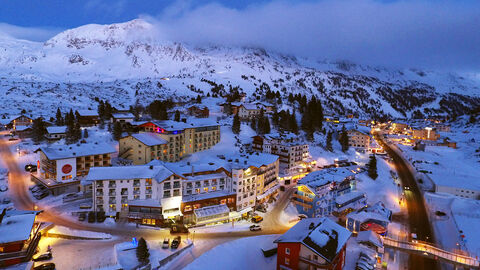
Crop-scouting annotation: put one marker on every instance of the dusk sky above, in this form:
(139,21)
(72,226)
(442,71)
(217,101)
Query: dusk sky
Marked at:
(432,34)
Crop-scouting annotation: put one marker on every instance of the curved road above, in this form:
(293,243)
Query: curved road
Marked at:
(22,200)
(417,214)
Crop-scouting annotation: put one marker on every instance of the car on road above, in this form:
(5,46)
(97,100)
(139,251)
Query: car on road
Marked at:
(176,242)
(82,216)
(406,187)
(257,219)
(166,243)
(254,228)
(45,266)
(30,168)
(43,257)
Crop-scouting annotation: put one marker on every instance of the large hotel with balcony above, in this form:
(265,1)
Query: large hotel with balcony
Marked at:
(217,190)
(169,140)
(60,168)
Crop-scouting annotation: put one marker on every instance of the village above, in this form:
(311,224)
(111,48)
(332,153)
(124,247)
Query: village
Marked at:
(326,185)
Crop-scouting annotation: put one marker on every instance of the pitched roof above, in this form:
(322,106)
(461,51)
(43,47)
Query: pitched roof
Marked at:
(56,129)
(87,113)
(149,138)
(321,235)
(123,115)
(16,226)
(325,176)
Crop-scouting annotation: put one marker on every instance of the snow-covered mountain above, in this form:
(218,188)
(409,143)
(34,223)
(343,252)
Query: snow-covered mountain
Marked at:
(128,63)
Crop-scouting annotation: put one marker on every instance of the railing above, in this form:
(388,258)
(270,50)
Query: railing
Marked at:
(304,198)
(429,250)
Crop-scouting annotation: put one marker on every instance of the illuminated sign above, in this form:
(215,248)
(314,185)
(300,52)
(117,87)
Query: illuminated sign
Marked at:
(67,168)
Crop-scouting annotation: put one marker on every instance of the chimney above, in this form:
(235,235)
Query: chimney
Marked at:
(3,214)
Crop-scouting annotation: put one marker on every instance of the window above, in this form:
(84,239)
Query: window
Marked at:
(205,189)
(287,251)
(287,261)
(315,257)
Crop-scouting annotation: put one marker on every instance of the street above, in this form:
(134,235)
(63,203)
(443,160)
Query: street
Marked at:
(417,214)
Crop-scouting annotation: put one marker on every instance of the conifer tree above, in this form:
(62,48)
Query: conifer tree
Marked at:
(38,130)
(236,124)
(372,167)
(177,116)
(143,254)
(328,145)
(85,133)
(343,139)
(117,131)
(59,118)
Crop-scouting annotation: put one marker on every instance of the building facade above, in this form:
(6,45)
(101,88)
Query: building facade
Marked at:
(60,168)
(358,139)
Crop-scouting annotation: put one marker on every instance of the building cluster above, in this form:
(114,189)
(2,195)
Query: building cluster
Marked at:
(20,125)
(247,111)
(329,191)
(225,189)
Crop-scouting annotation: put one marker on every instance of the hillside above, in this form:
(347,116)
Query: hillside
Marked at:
(126,63)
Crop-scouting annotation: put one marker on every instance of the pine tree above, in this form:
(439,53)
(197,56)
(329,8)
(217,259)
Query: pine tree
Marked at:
(372,167)
(85,133)
(77,132)
(101,109)
(266,128)
(328,145)
(142,251)
(236,124)
(292,122)
(177,116)
(59,119)
(472,119)
(38,130)
(108,110)
(343,139)
(117,131)
(199,99)
(253,123)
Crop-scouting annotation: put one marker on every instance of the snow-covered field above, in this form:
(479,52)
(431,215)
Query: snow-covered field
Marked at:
(87,234)
(241,254)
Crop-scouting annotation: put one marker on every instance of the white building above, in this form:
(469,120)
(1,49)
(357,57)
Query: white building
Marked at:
(56,133)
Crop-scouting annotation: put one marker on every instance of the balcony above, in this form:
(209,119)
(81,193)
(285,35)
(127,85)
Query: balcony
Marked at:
(176,185)
(148,191)
(99,200)
(304,205)
(112,201)
(111,193)
(136,183)
(112,185)
(303,198)
(99,193)
(167,186)
(136,192)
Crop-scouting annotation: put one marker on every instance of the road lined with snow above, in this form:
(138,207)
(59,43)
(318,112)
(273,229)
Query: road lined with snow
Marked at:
(417,214)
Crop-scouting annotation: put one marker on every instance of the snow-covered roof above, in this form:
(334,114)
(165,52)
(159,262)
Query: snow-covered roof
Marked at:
(325,176)
(208,195)
(349,196)
(147,202)
(159,173)
(206,176)
(321,235)
(171,125)
(371,237)
(16,226)
(377,211)
(87,113)
(250,107)
(211,210)
(123,115)
(22,128)
(77,150)
(56,129)
(149,138)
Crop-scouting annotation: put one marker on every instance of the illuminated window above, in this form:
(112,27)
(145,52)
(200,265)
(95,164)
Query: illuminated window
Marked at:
(214,188)
(287,261)
(187,208)
(287,251)
(205,189)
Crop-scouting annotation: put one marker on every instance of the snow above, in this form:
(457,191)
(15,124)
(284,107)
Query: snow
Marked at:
(54,152)
(56,129)
(211,210)
(320,178)
(233,255)
(349,196)
(160,173)
(71,232)
(16,226)
(149,139)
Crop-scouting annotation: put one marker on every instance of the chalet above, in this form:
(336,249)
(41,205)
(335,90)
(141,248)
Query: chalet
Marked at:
(313,243)
(56,133)
(21,120)
(199,111)
(123,118)
(19,236)
(88,118)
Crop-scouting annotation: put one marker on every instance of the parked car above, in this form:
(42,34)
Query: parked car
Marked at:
(176,242)
(255,228)
(37,188)
(166,243)
(43,257)
(41,195)
(82,216)
(45,266)
(257,219)
(30,168)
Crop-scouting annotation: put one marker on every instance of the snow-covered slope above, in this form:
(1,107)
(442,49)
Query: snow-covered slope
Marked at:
(127,63)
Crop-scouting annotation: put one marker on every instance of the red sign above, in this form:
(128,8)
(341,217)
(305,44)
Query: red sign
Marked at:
(67,168)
